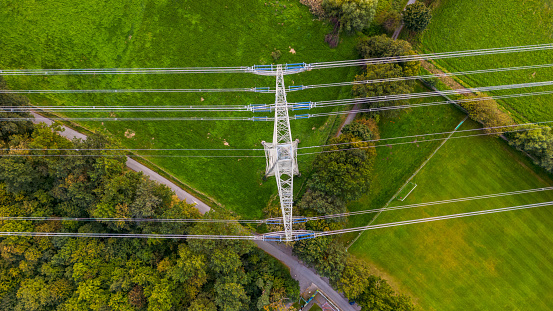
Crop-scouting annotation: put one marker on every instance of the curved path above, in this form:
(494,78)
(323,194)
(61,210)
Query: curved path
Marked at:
(135,166)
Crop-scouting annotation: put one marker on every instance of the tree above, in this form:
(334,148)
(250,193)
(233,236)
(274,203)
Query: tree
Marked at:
(486,112)
(416,16)
(321,203)
(344,171)
(353,280)
(383,46)
(358,129)
(230,296)
(353,15)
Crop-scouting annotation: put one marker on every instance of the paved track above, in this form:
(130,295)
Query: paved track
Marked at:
(303,274)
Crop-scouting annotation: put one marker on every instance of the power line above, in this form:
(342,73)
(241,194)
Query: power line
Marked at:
(431,219)
(155,220)
(308,147)
(430,76)
(131,235)
(465,199)
(415,57)
(439,133)
(271,69)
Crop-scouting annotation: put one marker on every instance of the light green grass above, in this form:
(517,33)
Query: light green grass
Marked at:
(477,24)
(179,33)
(493,262)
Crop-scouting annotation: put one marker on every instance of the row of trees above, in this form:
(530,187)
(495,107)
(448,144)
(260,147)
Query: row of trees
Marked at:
(65,273)
(356,15)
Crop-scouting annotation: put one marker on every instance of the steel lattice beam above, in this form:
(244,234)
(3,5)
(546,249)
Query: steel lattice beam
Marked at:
(281,155)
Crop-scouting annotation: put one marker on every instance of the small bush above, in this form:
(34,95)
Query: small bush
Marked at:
(276,54)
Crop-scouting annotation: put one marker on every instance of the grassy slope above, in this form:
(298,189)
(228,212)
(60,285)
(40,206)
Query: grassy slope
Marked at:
(494,262)
(475,24)
(69,34)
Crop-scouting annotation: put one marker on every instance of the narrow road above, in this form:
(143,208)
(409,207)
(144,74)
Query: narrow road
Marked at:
(304,275)
(135,166)
(400,27)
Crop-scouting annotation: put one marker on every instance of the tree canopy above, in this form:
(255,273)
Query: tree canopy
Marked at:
(417,16)
(353,15)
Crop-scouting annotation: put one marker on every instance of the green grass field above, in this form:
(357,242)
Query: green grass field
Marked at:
(493,262)
(177,33)
(477,24)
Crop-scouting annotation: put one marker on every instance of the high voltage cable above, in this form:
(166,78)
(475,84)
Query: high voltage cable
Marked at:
(407,58)
(466,199)
(252,237)
(252,108)
(299,154)
(274,220)
(158,220)
(439,133)
(431,219)
(126,91)
(270,70)
(321,104)
(291,89)
(130,235)
(430,76)
(330,103)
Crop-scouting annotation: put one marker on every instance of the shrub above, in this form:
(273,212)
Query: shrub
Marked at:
(487,112)
(276,54)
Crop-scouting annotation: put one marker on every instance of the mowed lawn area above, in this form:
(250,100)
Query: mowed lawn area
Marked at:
(179,33)
(500,261)
(478,24)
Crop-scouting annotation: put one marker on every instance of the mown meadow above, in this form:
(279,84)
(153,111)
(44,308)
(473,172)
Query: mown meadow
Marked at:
(465,25)
(129,34)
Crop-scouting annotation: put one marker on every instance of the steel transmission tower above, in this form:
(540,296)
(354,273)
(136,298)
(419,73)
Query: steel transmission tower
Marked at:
(281,155)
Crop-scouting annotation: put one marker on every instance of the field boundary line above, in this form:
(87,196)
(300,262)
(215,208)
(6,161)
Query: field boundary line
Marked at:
(409,180)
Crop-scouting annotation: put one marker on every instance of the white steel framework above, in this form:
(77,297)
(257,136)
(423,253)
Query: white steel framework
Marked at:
(281,155)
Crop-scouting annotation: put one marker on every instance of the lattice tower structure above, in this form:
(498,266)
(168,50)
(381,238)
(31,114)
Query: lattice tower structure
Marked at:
(281,155)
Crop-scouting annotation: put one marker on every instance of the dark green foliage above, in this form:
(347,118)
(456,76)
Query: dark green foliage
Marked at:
(9,128)
(383,46)
(325,254)
(119,274)
(538,142)
(359,130)
(345,171)
(321,203)
(383,71)
(353,15)
(416,16)
(488,113)
(370,291)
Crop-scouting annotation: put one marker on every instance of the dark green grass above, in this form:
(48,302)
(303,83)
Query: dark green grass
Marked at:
(493,262)
(477,24)
(95,34)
